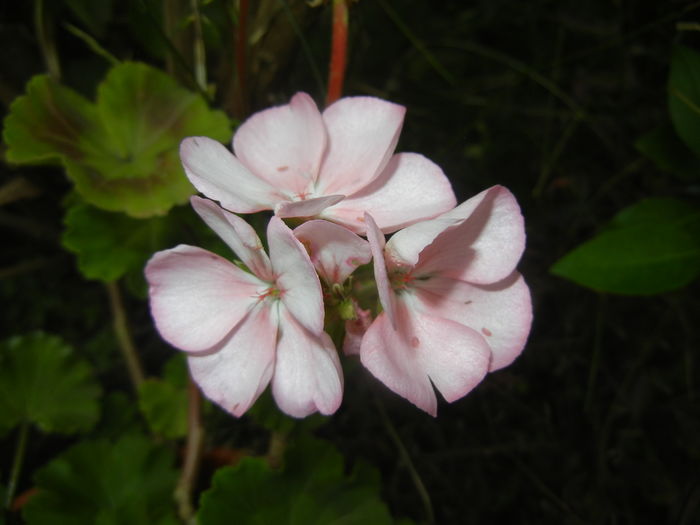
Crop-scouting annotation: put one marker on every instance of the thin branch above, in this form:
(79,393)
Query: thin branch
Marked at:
(121,329)
(339,51)
(408,462)
(193,454)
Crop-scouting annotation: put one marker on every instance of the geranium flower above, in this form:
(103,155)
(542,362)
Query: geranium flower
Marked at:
(333,165)
(454,306)
(244,330)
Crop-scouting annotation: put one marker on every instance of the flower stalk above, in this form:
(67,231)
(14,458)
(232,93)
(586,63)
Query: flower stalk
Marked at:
(339,51)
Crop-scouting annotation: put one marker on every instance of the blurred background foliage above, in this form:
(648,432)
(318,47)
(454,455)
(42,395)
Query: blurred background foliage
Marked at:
(588,111)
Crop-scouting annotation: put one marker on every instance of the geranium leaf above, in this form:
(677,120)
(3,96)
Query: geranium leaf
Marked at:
(311,490)
(103,482)
(650,247)
(122,151)
(669,153)
(109,245)
(42,381)
(163,402)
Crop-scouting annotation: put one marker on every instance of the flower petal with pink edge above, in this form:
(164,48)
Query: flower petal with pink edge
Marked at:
(362,135)
(215,172)
(424,348)
(307,207)
(501,312)
(283,145)
(237,233)
(335,251)
(411,188)
(296,278)
(197,297)
(381,277)
(308,377)
(234,374)
(480,241)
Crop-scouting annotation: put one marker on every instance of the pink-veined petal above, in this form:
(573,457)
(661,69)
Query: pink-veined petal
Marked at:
(381,277)
(362,135)
(335,251)
(425,348)
(283,144)
(481,240)
(501,312)
(355,329)
(485,247)
(296,278)
(308,376)
(235,374)
(237,233)
(215,172)
(198,297)
(307,207)
(411,188)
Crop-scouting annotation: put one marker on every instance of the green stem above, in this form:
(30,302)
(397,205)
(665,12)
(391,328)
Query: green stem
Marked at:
(193,454)
(121,329)
(17,463)
(44,33)
(200,62)
(408,462)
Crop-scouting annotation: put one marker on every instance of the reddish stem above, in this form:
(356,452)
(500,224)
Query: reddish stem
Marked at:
(339,51)
(239,99)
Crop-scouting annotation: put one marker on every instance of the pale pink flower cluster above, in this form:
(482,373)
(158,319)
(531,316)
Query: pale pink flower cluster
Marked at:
(453,306)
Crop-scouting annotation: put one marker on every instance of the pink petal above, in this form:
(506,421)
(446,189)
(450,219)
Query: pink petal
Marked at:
(501,312)
(235,374)
(410,189)
(306,208)
(237,233)
(214,171)
(198,297)
(283,145)
(335,251)
(297,280)
(479,241)
(386,294)
(308,376)
(362,135)
(355,329)
(422,349)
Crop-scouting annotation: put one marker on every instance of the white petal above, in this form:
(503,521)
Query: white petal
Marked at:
(307,207)
(296,278)
(237,233)
(335,251)
(362,135)
(284,144)
(235,374)
(410,189)
(501,312)
(198,297)
(214,171)
(381,277)
(308,376)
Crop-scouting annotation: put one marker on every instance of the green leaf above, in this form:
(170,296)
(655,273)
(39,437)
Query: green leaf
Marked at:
(669,153)
(43,382)
(103,482)
(163,402)
(650,247)
(109,245)
(684,95)
(122,151)
(311,490)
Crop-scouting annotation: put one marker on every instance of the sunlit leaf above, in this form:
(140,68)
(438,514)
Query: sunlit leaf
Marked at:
(311,490)
(103,482)
(650,247)
(684,95)
(163,402)
(122,151)
(109,244)
(43,382)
